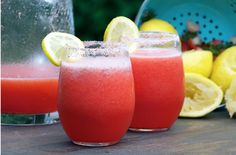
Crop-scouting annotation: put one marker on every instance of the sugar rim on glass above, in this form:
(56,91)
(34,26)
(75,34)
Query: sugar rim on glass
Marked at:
(100,48)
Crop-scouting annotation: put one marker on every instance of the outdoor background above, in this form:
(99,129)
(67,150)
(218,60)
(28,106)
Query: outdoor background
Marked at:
(92,16)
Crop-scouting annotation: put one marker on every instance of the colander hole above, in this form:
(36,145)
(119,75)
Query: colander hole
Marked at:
(210,32)
(234,11)
(197,14)
(174,18)
(197,22)
(181,15)
(204,26)
(220,33)
(216,27)
(232,5)
(204,17)
(205,38)
(213,39)
(181,24)
(200,32)
(184,31)
(189,13)
(211,21)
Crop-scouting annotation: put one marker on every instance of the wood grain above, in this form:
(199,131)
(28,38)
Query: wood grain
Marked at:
(214,134)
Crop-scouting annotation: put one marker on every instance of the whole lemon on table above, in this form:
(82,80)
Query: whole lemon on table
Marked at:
(157,25)
(224,68)
(199,62)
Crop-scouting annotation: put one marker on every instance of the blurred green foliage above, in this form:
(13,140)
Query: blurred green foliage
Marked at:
(92,16)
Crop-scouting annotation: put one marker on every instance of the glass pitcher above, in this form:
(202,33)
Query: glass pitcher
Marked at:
(28,79)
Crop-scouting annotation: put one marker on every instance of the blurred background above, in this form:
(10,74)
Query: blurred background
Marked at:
(90,25)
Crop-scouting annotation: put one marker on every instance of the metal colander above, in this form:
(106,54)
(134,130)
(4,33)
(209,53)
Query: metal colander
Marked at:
(216,18)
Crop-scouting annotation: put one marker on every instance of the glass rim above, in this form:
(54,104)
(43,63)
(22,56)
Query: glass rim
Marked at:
(108,47)
(99,48)
(105,43)
(153,37)
(160,35)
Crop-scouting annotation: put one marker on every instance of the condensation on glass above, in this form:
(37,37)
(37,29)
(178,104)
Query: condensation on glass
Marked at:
(24,24)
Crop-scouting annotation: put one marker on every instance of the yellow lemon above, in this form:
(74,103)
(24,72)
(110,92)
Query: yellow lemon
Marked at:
(59,46)
(230,98)
(224,68)
(157,25)
(200,62)
(119,28)
(202,96)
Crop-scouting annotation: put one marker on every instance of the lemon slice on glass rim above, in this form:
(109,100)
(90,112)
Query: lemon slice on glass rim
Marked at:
(202,96)
(59,46)
(119,28)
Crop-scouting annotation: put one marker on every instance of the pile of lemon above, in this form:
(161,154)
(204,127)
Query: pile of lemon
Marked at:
(207,82)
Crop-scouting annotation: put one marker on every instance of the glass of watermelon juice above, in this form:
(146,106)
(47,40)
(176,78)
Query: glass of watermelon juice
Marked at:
(159,81)
(96,95)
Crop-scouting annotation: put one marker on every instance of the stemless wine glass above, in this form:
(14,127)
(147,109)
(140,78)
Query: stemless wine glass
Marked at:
(96,95)
(159,81)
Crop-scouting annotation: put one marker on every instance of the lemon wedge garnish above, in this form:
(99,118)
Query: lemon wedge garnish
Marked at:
(59,46)
(120,28)
(198,62)
(202,96)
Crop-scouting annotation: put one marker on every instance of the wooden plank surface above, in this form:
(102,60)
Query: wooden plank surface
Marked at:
(214,134)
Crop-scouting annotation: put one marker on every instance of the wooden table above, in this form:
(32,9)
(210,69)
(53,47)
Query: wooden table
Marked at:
(214,134)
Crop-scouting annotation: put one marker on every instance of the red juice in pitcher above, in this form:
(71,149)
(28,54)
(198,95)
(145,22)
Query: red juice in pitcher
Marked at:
(28,90)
